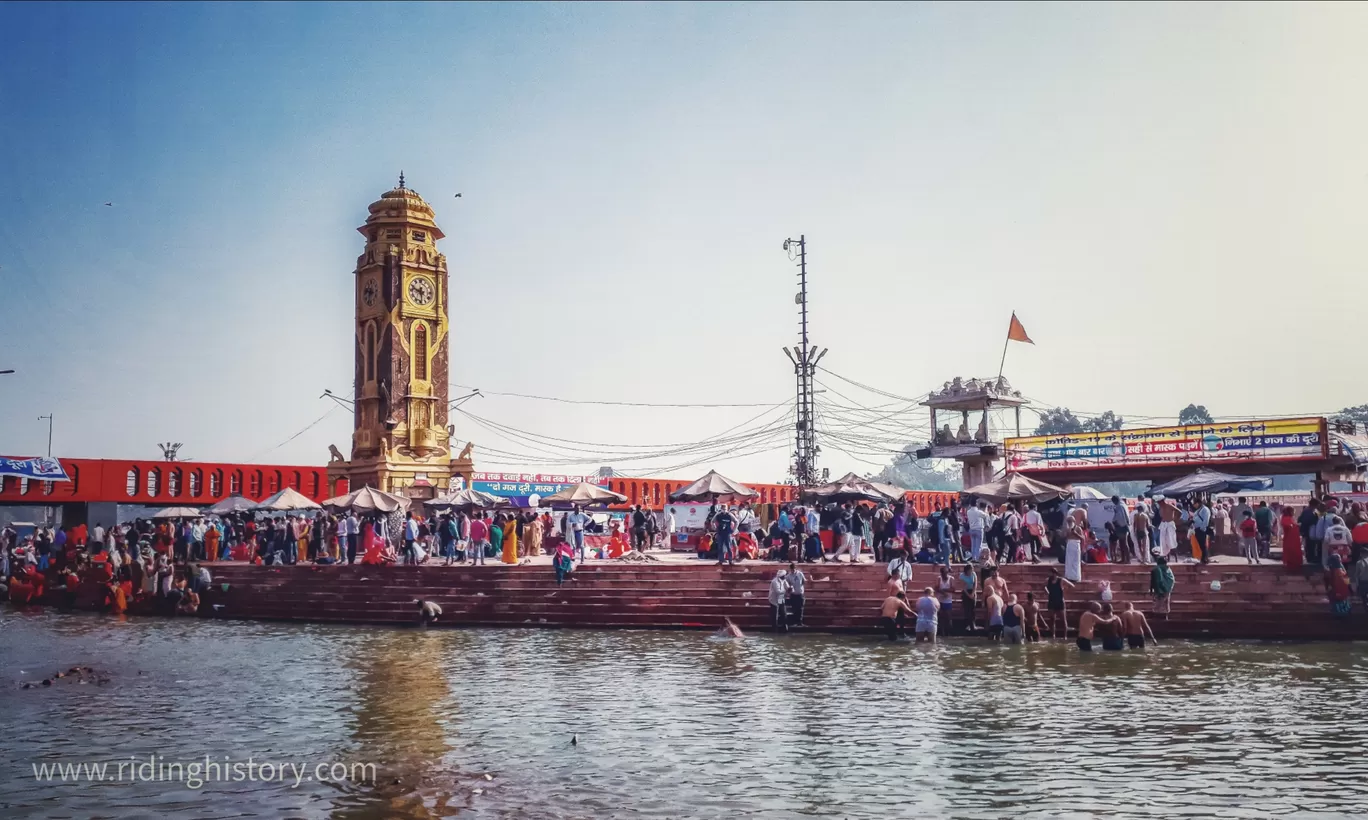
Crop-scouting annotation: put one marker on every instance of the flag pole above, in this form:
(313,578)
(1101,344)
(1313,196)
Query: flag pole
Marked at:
(1005,342)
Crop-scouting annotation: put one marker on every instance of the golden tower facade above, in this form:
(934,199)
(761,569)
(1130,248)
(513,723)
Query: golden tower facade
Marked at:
(400,439)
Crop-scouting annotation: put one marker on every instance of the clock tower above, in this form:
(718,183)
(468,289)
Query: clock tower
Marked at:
(400,442)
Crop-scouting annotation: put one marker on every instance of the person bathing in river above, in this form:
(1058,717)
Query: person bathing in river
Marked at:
(1054,603)
(778,602)
(1087,626)
(994,583)
(945,591)
(969,595)
(1109,629)
(1135,626)
(893,614)
(1161,586)
(928,615)
(427,611)
(995,619)
(1013,621)
(1032,618)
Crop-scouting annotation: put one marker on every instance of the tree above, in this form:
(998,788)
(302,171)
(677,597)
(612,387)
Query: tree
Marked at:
(1058,420)
(908,473)
(1104,423)
(1195,414)
(1357,415)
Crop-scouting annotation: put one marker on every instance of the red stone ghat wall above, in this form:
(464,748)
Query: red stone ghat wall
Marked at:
(1253,602)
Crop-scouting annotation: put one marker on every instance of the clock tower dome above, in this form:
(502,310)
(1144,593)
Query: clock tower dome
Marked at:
(400,442)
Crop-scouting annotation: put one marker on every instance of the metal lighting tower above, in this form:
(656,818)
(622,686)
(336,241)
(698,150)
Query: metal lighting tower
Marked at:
(804,358)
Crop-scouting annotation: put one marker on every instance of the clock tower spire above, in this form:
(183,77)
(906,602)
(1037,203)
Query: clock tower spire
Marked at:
(399,441)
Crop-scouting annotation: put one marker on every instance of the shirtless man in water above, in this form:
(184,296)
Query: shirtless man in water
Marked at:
(994,603)
(893,614)
(1136,626)
(995,583)
(1109,629)
(1087,626)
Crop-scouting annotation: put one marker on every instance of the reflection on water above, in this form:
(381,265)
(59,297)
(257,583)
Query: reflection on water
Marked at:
(680,725)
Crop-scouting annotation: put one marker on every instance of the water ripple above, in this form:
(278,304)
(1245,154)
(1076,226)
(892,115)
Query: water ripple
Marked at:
(477,723)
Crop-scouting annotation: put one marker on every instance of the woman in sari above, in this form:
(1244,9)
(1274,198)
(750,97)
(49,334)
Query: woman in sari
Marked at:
(1161,586)
(564,562)
(1291,540)
(510,540)
(1337,586)
(532,537)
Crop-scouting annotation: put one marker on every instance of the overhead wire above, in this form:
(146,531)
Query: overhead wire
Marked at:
(306,429)
(567,452)
(603,402)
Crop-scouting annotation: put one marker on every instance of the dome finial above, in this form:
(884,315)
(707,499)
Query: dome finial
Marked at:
(401,180)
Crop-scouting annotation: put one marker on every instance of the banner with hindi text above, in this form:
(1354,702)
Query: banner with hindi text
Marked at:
(36,469)
(1197,444)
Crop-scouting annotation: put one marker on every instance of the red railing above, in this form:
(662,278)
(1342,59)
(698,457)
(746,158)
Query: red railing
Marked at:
(163,483)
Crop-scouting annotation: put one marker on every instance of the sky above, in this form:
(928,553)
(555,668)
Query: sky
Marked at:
(1170,197)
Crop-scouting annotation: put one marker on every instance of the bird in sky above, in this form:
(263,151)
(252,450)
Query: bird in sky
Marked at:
(109,204)
(458,196)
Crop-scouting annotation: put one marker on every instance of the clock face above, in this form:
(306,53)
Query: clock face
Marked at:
(369,293)
(421,291)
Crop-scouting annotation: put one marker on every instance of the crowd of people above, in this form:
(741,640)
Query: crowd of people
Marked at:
(137,567)
(1327,535)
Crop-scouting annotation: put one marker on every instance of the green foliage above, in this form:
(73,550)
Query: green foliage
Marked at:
(910,474)
(1060,420)
(1195,414)
(1358,415)
(1103,423)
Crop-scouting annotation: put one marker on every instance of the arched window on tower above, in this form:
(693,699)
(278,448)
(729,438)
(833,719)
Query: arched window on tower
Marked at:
(370,352)
(420,353)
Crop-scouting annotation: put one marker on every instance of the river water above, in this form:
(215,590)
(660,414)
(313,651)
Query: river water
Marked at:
(478,723)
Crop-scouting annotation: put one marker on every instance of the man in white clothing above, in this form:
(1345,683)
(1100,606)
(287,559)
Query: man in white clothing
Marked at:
(778,601)
(797,585)
(978,522)
(575,523)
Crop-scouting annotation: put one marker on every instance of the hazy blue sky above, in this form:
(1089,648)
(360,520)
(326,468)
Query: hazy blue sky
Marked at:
(1172,198)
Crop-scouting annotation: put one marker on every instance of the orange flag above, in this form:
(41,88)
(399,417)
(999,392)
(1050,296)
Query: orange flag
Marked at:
(1017,333)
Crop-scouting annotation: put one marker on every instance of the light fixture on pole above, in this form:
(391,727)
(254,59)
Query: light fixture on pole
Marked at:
(49,421)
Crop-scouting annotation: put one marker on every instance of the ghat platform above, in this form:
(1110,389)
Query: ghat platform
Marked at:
(1263,602)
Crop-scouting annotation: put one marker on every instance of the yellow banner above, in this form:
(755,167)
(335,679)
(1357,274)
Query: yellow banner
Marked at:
(1197,444)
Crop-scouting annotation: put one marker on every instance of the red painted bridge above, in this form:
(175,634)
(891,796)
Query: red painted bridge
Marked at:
(161,483)
(193,483)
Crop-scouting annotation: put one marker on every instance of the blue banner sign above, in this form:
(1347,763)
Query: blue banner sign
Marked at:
(37,469)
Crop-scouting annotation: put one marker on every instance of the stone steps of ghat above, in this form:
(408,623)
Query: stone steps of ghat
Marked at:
(333,595)
(816,589)
(671,574)
(405,601)
(1212,627)
(1254,602)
